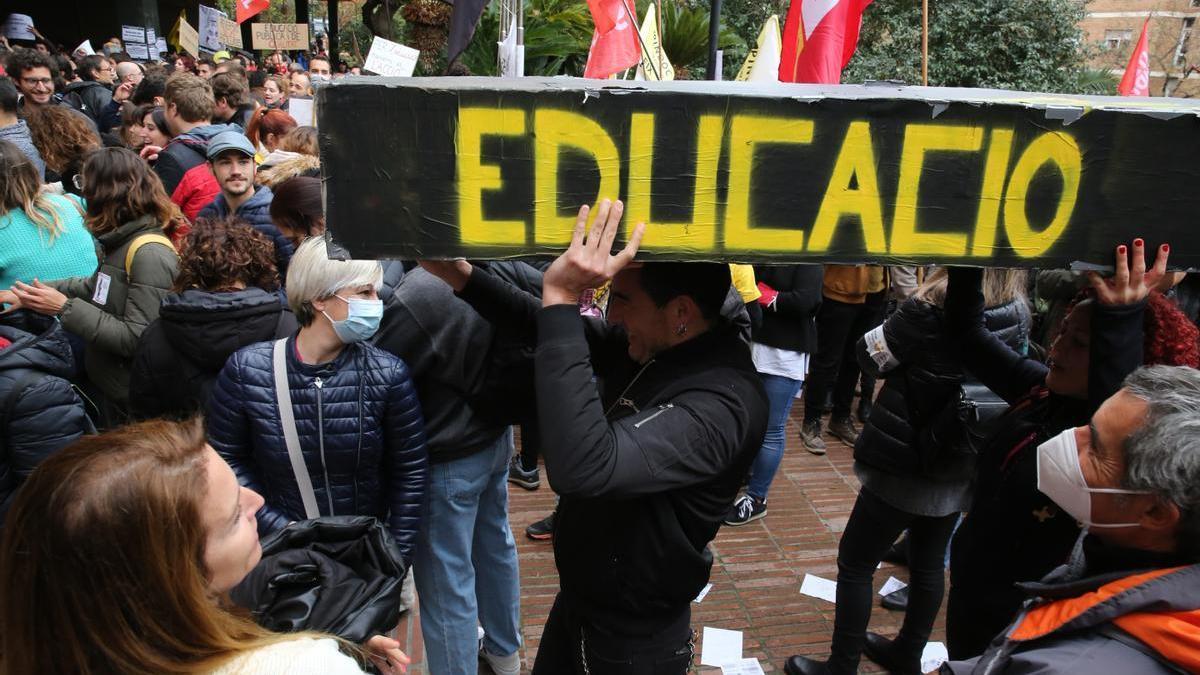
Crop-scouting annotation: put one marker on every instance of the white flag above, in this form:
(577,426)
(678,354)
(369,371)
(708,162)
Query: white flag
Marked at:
(654,64)
(762,63)
(509,53)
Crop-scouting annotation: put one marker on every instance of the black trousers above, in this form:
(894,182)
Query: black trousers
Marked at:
(571,646)
(531,445)
(839,326)
(872,528)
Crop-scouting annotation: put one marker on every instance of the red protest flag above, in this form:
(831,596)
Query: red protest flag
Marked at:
(819,38)
(616,48)
(248,8)
(1136,81)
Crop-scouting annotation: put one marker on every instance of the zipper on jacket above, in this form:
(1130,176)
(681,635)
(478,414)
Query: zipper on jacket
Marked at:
(621,400)
(661,409)
(319,384)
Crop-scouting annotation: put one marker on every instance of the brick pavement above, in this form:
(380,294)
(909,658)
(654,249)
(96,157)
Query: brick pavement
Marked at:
(757,571)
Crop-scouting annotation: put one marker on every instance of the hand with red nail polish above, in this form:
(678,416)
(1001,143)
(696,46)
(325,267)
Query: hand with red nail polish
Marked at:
(1130,286)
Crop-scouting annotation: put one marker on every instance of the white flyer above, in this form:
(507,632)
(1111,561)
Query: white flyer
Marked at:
(720,646)
(100,295)
(818,587)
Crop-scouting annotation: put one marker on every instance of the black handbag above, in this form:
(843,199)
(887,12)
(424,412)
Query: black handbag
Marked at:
(336,574)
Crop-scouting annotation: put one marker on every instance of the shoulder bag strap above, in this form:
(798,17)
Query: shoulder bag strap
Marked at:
(287,419)
(140,241)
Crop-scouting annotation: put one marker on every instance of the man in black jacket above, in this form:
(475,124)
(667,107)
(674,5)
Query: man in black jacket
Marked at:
(93,92)
(647,465)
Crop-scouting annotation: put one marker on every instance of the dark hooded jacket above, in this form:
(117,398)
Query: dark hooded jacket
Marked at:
(90,98)
(180,355)
(40,413)
(185,151)
(257,212)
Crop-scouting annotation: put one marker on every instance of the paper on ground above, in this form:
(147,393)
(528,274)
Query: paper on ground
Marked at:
(720,646)
(703,592)
(818,587)
(891,586)
(742,667)
(934,656)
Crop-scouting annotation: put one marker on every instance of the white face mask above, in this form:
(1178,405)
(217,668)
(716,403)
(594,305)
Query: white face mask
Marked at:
(1061,478)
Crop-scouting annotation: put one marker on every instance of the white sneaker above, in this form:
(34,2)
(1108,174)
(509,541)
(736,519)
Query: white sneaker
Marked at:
(503,665)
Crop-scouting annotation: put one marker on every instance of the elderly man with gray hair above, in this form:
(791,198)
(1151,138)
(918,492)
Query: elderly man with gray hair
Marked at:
(1128,600)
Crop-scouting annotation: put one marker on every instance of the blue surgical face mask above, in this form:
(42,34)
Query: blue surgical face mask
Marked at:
(361,322)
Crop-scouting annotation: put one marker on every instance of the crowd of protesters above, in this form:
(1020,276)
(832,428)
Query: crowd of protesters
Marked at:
(187,363)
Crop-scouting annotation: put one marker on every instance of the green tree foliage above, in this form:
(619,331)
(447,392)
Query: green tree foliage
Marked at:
(1029,45)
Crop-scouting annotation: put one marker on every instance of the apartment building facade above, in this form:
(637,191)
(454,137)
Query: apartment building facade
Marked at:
(1174,41)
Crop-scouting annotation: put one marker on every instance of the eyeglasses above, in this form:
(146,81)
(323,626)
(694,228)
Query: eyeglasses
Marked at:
(37,81)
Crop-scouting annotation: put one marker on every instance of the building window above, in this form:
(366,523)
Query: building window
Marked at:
(1185,34)
(1113,39)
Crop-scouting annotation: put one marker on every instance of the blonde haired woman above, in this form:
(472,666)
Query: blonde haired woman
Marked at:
(118,554)
(42,235)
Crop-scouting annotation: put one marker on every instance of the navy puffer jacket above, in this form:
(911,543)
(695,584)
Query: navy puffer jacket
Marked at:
(360,428)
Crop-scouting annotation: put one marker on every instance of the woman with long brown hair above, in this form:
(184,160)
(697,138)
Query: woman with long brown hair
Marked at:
(64,138)
(42,235)
(118,555)
(267,128)
(128,212)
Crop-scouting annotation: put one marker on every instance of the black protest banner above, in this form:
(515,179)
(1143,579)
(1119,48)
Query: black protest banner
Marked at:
(496,168)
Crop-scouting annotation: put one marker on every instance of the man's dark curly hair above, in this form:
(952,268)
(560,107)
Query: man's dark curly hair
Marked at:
(220,252)
(20,60)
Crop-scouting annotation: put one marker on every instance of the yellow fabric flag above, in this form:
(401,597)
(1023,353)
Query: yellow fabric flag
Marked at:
(654,65)
(762,63)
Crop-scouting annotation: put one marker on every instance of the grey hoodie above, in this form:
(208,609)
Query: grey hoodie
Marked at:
(18,135)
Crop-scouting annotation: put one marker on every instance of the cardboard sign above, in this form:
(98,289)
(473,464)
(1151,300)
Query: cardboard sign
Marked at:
(138,52)
(209,38)
(133,34)
(280,36)
(151,36)
(160,47)
(748,172)
(189,39)
(229,33)
(390,58)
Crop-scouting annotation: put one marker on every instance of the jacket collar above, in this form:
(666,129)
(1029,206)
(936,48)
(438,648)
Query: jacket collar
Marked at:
(116,238)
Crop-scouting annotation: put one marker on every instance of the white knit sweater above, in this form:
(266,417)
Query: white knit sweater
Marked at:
(302,656)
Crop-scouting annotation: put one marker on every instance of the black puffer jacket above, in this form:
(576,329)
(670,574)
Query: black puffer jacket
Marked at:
(917,390)
(360,429)
(39,411)
(180,354)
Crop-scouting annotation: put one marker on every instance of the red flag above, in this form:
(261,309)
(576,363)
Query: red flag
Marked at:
(616,48)
(1136,81)
(819,38)
(249,8)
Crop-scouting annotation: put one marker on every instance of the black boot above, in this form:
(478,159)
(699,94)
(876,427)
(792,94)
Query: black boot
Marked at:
(802,665)
(880,650)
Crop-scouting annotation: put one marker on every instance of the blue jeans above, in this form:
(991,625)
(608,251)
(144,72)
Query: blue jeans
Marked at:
(781,391)
(465,564)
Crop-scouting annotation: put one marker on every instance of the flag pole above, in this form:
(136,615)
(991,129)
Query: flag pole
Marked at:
(925,43)
(714,34)
(637,31)
(662,49)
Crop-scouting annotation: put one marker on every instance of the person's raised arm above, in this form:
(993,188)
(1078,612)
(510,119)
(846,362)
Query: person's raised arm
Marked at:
(1117,334)
(1007,373)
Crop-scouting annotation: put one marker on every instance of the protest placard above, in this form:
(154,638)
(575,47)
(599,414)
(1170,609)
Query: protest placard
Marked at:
(138,52)
(391,58)
(189,39)
(133,34)
(208,28)
(19,27)
(279,36)
(229,33)
(746,172)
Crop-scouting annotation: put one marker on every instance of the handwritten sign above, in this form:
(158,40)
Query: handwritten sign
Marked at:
(189,39)
(151,36)
(137,52)
(493,168)
(391,59)
(280,36)
(19,27)
(134,34)
(229,33)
